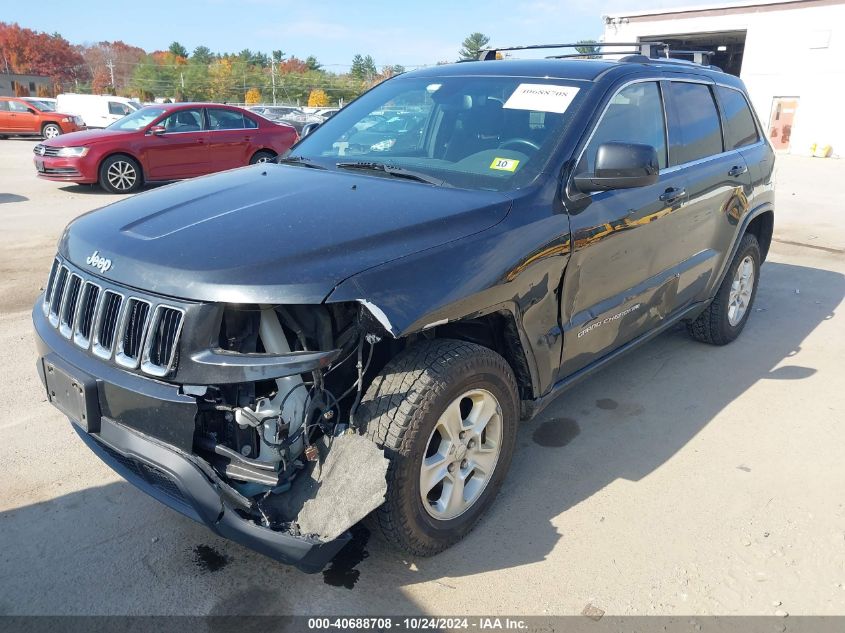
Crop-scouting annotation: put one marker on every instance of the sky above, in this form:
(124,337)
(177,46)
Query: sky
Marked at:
(406,32)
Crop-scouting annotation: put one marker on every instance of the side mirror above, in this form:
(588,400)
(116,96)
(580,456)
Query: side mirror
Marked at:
(157,130)
(621,166)
(32,111)
(308,128)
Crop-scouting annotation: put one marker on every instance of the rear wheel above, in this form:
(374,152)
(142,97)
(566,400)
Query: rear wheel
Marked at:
(263,156)
(727,314)
(51,130)
(445,412)
(120,174)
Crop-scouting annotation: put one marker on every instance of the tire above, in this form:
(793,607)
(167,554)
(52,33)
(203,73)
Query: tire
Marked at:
(3,137)
(401,412)
(262,156)
(120,174)
(720,323)
(51,130)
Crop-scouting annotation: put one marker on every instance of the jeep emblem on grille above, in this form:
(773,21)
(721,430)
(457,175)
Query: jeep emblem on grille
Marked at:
(101,263)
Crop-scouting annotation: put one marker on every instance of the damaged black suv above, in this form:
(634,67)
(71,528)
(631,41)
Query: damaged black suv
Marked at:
(281,350)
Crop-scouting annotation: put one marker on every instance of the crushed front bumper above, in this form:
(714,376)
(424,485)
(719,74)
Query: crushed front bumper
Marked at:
(166,470)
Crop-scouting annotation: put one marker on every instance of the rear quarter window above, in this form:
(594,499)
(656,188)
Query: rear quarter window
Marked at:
(700,133)
(740,129)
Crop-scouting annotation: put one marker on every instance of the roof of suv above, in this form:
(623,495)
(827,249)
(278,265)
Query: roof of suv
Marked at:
(576,69)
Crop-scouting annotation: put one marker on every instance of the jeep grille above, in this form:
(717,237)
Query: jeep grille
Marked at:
(136,332)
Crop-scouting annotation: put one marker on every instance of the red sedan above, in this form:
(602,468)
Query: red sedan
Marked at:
(161,143)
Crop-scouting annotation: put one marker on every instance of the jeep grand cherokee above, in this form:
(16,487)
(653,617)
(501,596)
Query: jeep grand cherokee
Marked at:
(279,350)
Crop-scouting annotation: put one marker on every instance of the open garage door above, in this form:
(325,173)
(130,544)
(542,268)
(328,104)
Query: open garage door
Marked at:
(727,46)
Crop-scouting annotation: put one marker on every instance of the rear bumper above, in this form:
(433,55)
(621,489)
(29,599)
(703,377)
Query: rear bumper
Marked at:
(126,423)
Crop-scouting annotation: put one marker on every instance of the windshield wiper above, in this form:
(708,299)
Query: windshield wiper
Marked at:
(392,170)
(299,160)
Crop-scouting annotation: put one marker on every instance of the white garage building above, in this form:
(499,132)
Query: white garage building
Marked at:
(790,54)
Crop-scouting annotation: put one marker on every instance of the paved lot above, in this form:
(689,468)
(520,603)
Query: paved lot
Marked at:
(685,479)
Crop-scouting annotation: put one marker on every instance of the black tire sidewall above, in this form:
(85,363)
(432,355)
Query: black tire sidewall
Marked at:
(748,246)
(103,179)
(490,379)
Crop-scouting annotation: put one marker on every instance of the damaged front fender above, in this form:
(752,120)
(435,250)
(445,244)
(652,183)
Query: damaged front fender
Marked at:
(500,269)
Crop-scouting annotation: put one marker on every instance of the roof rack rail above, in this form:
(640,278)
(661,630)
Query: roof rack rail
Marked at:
(642,52)
(644,48)
(698,57)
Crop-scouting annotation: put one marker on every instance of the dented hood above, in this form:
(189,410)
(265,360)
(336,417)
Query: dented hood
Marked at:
(271,233)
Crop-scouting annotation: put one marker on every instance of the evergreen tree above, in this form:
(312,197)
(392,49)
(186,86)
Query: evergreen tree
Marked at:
(178,50)
(473,45)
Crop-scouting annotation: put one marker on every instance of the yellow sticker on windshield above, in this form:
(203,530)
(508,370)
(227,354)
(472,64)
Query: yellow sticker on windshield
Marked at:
(504,164)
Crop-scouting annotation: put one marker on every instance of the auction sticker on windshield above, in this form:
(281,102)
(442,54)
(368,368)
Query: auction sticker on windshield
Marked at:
(541,98)
(504,164)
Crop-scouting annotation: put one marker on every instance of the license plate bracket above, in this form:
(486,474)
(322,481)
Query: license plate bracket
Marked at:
(73,394)
(39,165)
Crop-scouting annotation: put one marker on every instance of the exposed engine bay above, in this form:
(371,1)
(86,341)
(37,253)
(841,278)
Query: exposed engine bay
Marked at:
(291,446)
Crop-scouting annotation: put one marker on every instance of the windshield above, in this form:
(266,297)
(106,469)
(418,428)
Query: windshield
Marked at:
(44,106)
(138,119)
(471,132)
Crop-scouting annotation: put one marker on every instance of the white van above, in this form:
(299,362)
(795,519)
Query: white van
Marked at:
(96,110)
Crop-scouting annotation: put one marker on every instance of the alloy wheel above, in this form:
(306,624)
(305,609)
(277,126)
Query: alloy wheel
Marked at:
(461,454)
(741,288)
(122,175)
(51,131)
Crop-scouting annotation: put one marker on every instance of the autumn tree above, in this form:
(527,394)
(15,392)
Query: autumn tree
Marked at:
(318,98)
(123,59)
(31,52)
(101,84)
(220,79)
(473,45)
(292,65)
(252,96)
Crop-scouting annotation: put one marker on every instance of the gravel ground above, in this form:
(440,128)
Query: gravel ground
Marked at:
(684,479)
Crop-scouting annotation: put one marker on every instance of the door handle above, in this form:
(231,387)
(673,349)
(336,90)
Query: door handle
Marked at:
(201,141)
(672,194)
(737,170)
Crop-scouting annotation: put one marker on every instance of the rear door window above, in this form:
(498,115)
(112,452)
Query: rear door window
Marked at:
(700,133)
(634,115)
(740,129)
(220,119)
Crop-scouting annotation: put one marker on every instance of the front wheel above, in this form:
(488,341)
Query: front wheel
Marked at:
(263,156)
(51,130)
(727,314)
(120,174)
(446,413)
